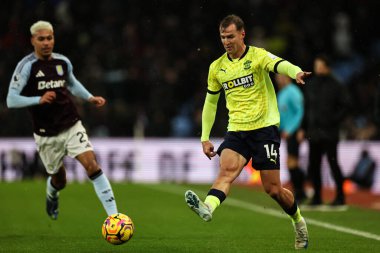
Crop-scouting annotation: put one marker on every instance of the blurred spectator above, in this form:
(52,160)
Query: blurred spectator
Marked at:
(326,104)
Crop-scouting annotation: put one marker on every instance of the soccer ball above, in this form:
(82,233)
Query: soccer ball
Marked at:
(117,229)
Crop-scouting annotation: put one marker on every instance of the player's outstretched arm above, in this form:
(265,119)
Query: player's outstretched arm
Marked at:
(293,71)
(97,101)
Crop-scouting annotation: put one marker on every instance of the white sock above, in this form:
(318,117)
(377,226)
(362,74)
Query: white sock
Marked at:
(50,189)
(104,191)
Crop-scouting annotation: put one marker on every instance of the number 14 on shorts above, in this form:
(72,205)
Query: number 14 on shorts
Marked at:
(271,152)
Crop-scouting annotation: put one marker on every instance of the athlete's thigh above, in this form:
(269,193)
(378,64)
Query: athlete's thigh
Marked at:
(235,141)
(51,150)
(231,162)
(86,158)
(77,140)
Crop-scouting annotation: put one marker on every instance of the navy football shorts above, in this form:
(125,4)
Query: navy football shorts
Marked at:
(262,145)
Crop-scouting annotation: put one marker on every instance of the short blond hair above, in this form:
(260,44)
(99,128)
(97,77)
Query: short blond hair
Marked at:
(40,25)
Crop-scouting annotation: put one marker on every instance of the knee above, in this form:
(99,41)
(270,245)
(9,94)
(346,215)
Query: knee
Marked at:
(228,171)
(91,167)
(59,184)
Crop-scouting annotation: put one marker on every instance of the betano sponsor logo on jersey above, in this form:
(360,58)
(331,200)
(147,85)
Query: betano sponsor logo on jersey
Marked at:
(246,81)
(42,85)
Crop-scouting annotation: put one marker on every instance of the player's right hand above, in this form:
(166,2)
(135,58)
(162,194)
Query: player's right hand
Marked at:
(97,101)
(208,149)
(48,97)
(301,76)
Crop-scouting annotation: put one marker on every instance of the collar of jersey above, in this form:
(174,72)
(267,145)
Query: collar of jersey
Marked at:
(241,57)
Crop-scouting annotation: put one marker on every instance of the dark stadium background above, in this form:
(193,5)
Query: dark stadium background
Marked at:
(150,58)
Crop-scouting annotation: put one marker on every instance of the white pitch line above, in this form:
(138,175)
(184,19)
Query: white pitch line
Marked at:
(269,211)
(273,212)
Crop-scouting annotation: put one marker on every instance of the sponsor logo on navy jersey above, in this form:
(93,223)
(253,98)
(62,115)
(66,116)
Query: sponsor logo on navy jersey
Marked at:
(42,85)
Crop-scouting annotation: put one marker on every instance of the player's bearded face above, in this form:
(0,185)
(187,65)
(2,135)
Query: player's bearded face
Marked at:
(232,39)
(43,43)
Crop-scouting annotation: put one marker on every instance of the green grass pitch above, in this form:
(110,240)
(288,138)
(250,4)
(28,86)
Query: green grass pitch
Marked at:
(165,224)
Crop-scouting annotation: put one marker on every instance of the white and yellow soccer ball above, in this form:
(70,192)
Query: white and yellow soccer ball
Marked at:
(118,229)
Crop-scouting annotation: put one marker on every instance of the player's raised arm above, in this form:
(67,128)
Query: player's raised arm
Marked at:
(293,71)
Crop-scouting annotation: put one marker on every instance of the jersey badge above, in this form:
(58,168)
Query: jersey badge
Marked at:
(247,64)
(59,70)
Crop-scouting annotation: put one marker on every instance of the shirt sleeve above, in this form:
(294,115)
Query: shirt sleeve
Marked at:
(273,63)
(286,68)
(268,60)
(211,103)
(18,82)
(213,86)
(74,86)
(208,115)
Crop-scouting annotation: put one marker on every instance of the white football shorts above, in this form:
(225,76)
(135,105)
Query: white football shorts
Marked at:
(52,149)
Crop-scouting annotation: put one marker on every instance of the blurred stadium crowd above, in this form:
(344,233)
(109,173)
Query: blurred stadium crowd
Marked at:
(150,59)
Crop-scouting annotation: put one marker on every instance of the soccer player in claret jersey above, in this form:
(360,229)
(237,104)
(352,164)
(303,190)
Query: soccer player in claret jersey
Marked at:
(43,81)
(243,73)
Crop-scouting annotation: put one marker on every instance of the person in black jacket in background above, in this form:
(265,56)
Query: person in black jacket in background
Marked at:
(326,104)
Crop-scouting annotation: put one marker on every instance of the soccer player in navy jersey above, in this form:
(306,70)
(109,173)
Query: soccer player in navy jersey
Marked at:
(43,81)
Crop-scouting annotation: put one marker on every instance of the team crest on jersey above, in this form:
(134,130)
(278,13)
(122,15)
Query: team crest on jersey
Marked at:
(247,64)
(59,69)
(245,81)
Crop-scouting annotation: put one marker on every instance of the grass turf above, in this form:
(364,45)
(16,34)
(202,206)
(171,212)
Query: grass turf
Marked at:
(165,224)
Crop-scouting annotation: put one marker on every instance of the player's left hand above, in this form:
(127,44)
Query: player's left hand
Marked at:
(208,149)
(97,101)
(301,76)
